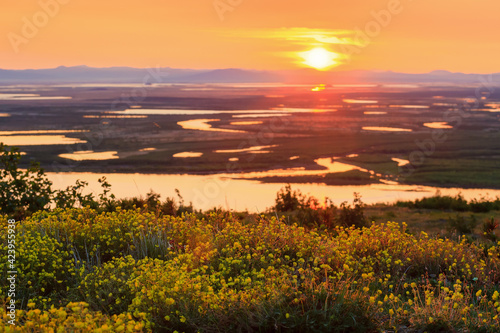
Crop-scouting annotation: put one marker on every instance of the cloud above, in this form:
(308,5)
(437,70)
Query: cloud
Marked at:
(301,36)
(302,44)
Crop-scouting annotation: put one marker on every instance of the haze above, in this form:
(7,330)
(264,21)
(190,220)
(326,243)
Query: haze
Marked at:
(416,36)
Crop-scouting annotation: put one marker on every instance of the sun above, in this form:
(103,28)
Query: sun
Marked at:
(319,58)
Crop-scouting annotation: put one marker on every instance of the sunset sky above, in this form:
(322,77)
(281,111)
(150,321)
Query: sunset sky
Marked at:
(412,36)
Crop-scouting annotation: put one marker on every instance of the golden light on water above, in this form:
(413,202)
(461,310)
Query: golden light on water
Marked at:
(319,58)
(319,88)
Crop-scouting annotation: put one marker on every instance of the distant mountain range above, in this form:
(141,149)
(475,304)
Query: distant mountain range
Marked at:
(85,74)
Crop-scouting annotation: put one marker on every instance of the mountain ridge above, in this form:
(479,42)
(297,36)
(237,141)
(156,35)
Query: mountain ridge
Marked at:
(123,74)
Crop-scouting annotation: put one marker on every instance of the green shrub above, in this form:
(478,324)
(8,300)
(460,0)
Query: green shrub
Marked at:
(304,210)
(21,192)
(45,269)
(463,225)
(489,226)
(456,203)
(352,215)
(106,288)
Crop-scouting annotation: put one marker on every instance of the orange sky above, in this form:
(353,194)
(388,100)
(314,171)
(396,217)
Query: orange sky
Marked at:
(417,36)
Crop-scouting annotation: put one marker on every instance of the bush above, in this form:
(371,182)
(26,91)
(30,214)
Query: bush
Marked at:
(438,201)
(489,227)
(153,204)
(45,269)
(304,210)
(481,206)
(106,288)
(96,238)
(456,203)
(463,225)
(287,201)
(352,215)
(22,193)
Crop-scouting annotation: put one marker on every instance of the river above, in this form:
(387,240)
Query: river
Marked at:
(210,191)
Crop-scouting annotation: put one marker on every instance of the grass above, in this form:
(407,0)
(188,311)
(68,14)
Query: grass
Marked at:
(434,222)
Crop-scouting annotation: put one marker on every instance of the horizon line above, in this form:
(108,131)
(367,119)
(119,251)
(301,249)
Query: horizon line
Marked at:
(250,69)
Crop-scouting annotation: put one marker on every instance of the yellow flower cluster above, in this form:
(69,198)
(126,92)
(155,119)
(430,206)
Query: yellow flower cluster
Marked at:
(190,274)
(43,267)
(75,317)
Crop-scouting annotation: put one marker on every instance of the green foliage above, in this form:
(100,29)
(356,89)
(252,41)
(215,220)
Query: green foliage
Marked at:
(484,205)
(306,211)
(287,201)
(456,203)
(463,225)
(438,201)
(152,203)
(24,193)
(439,325)
(105,288)
(340,314)
(46,269)
(21,193)
(352,215)
(489,226)
(72,197)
